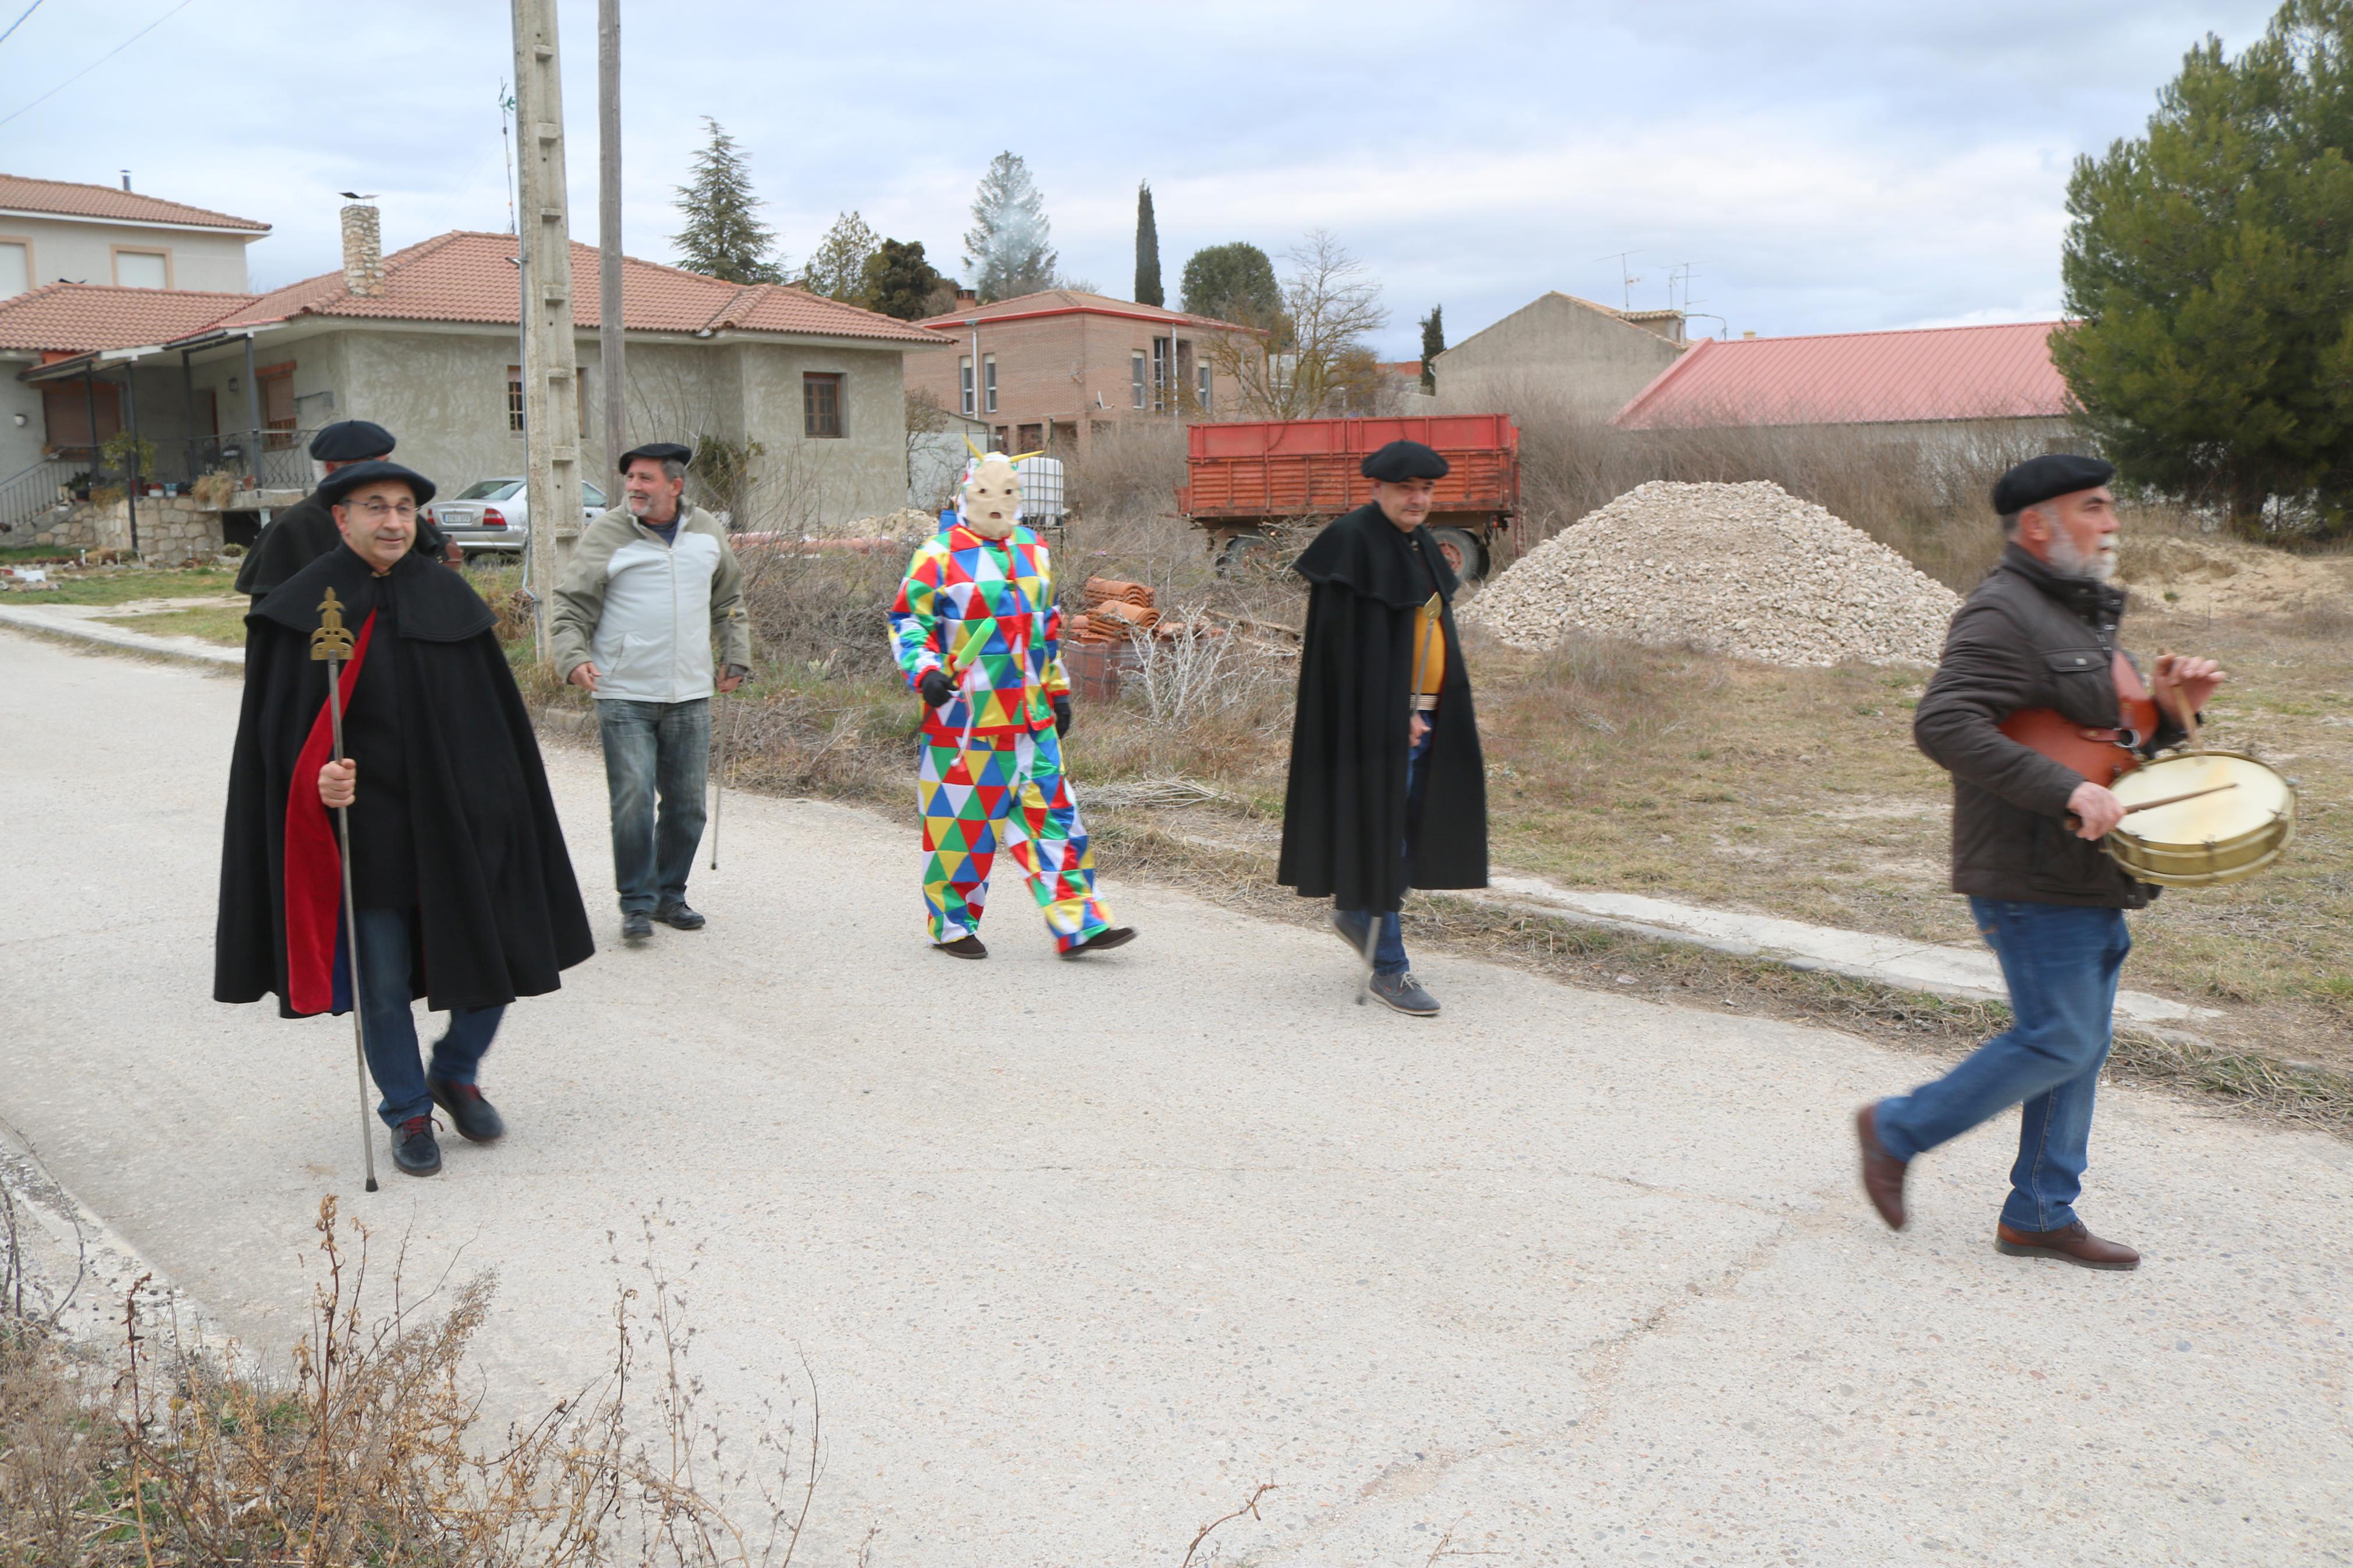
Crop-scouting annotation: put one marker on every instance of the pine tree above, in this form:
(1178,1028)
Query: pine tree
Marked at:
(837,267)
(1433,343)
(2209,269)
(724,236)
(1233,283)
(1008,248)
(1147,250)
(899,281)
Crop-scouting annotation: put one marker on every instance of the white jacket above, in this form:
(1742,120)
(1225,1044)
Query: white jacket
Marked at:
(646,611)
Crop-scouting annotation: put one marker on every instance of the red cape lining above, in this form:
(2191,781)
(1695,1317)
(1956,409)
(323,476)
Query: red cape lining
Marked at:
(314,863)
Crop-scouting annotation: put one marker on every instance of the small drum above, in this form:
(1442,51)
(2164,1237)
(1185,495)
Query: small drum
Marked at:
(2226,836)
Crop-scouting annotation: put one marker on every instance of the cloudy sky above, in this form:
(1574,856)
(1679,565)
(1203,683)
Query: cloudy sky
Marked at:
(1823,166)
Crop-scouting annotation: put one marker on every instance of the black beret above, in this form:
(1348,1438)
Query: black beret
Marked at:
(659,451)
(1403,460)
(351,441)
(2040,479)
(343,482)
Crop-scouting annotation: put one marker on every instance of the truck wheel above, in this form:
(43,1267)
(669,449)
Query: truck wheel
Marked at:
(1462,550)
(1246,553)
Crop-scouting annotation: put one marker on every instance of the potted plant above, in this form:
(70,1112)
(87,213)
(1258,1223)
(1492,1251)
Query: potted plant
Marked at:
(128,453)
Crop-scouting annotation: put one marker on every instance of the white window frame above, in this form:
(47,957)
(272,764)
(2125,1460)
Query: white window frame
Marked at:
(964,377)
(9,241)
(1201,375)
(988,380)
(1135,374)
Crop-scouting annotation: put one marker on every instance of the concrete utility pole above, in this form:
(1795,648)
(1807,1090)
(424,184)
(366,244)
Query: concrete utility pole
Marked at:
(610,348)
(551,372)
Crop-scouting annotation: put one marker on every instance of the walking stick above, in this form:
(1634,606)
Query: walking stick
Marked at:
(719,804)
(332,644)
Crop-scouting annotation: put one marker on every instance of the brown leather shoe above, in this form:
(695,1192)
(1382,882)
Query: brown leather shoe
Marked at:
(2069,1244)
(1883,1172)
(962,947)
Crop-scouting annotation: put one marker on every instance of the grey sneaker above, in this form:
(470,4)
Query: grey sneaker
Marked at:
(1404,993)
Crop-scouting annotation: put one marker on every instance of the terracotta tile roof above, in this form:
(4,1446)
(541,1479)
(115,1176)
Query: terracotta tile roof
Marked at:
(1857,378)
(466,276)
(76,318)
(20,193)
(1067,301)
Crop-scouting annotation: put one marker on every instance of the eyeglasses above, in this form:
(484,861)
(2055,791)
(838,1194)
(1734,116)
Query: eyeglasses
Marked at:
(377,510)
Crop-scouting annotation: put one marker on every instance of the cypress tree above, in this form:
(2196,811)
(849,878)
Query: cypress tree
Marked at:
(1147,250)
(1433,343)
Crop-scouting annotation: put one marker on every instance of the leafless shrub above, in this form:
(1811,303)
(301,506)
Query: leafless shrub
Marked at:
(1200,674)
(1129,470)
(374,1452)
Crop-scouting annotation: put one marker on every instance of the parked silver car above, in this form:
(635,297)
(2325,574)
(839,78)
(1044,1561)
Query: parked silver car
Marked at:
(495,514)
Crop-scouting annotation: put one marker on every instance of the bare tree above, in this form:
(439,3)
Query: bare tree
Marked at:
(1315,359)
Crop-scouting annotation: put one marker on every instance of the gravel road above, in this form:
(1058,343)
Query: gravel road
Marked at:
(1078,1254)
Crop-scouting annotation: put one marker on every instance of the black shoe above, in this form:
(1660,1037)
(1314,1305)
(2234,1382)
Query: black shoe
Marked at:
(962,947)
(414,1149)
(1102,940)
(678,917)
(475,1118)
(1404,993)
(1354,928)
(635,925)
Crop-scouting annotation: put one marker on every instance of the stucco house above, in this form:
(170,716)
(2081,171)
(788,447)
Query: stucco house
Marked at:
(425,342)
(57,231)
(1559,353)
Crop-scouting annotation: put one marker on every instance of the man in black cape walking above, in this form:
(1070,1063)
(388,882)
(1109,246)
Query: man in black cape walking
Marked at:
(306,530)
(1387,789)
(463,889)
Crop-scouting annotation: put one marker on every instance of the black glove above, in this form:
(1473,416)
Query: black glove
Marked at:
(936,687)
(1062,716)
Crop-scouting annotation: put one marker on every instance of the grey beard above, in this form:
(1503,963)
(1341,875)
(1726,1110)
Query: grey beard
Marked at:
(2098,566)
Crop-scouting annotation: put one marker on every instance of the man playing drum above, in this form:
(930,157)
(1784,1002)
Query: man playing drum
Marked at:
(2038,634)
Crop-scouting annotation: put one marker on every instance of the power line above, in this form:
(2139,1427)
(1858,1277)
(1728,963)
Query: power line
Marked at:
(101,59)
(20,21)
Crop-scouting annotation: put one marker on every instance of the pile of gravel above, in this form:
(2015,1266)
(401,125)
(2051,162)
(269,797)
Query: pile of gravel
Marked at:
(1748,570)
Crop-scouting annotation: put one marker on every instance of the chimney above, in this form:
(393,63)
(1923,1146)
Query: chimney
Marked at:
(1748,337)
(362,251)
(126,179)
(966,298)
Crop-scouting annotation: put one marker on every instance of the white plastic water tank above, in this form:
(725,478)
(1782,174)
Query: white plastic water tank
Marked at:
(1041,488)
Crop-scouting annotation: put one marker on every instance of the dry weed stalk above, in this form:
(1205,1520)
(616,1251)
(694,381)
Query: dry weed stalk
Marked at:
(372,1454)
(1249,1506)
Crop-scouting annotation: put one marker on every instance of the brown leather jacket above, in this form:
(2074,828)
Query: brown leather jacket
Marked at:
(2026,638)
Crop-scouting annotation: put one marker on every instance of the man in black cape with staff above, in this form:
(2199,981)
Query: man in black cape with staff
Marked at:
(463,890)
(1387,789)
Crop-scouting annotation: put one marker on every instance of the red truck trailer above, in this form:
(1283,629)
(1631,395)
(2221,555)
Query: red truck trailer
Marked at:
(1245,481)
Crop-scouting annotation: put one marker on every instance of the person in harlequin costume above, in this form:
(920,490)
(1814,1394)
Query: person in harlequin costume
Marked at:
(976,631)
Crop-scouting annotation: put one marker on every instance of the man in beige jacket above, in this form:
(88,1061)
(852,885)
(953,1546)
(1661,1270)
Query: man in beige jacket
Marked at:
(652,584)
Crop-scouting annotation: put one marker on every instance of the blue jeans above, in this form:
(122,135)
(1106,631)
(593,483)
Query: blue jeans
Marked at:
(1388,949)
(655,748)
(392,1054)
(2061,964)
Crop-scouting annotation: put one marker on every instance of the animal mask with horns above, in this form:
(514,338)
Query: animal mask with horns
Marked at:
(990,500)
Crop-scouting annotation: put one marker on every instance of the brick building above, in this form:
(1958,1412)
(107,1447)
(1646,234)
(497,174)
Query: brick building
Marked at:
(1052,371)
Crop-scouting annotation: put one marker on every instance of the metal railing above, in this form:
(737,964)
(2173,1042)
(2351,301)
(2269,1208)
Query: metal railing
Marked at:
(36,492)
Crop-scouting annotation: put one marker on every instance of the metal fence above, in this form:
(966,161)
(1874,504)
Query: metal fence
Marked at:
(42,491)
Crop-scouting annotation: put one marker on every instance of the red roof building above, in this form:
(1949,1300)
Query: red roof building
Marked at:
(1930,375)
(1058,369)
(55,231)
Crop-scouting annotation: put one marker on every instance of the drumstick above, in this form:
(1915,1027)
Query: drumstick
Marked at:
(2177,799)
(2188,718)
(2167,800)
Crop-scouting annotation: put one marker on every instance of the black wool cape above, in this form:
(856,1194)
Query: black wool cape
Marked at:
(498,912)
(1345,811)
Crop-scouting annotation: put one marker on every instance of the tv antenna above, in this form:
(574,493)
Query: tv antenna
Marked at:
(1627,280)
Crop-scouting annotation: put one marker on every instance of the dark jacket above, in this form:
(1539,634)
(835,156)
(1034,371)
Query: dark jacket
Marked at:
(1346,813)
(497,913)
(2026,638)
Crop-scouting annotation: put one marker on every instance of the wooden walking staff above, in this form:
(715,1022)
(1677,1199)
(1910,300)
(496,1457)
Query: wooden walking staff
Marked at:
(331,642)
